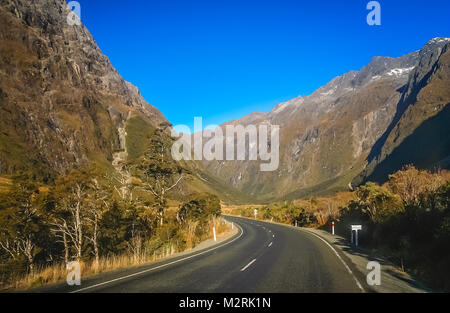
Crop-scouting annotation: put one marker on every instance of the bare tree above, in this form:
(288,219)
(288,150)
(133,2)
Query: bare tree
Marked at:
(70,226)
(11,247)
(18,237)
(61,232)
(125,189)
(95,213)
(21,245)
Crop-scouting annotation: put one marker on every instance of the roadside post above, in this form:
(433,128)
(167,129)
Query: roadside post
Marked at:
(256,213)
(355,228)
(214,232)
(332,227)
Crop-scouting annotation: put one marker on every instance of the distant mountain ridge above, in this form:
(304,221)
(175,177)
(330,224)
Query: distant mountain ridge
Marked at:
(329,139)
(63,106)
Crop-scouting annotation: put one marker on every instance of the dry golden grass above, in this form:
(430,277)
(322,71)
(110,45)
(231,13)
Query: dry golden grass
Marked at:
(5,184)
(230,209)
(57,273)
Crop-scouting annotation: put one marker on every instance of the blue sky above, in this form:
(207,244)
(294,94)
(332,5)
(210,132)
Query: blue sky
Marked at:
(222,59)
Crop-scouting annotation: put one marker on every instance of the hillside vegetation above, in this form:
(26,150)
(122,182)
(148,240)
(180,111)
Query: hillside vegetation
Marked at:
(407,220)
(103,219)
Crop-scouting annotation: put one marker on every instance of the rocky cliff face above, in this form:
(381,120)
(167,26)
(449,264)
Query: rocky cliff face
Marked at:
(64,106)
(328,137)
(62,103)
(420,130)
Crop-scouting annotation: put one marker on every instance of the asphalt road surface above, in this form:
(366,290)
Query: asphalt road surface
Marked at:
(262,257)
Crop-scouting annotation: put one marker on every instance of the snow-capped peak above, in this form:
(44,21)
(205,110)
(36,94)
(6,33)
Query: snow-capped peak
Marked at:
(438,40)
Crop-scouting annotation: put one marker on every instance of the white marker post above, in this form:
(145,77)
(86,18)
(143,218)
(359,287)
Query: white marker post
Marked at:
(332,228)
(232,225)
(256,213)
(356,228)
(214,232)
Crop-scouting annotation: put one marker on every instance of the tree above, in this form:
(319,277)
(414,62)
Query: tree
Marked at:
(200,207)
(71,208)
(135,218)
(378,202)
(159,172)
(196,215)
(22,221)
(412,184)
(97,204)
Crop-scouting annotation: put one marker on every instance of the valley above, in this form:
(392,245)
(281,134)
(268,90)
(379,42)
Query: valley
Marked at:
(88,173)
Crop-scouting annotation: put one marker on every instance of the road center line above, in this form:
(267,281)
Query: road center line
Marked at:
(248,265)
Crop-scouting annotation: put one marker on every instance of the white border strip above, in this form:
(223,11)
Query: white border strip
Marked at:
(326,242)
(160,266)
(343,262)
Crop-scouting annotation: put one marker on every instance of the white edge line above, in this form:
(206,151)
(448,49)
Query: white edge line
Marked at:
(160,266)
(334,250)
(270,244)
(248,265)
(343,262)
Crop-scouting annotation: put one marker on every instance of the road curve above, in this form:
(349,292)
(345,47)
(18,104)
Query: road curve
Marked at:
(263,257)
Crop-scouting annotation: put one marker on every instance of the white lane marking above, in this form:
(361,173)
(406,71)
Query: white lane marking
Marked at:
(270,244)
(160,266)
(337,254)
(343,262)
(247,266)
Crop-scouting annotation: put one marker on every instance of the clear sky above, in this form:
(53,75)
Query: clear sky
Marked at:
(222,59)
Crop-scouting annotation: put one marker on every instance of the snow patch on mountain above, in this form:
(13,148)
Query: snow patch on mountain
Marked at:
(400,71)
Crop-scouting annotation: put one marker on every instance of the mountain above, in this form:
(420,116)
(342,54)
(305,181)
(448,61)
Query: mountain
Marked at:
(348,129)
(64,106)
(419,133)
(62,102)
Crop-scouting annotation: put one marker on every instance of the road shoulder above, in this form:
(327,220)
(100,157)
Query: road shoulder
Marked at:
(118,274)
(393,280)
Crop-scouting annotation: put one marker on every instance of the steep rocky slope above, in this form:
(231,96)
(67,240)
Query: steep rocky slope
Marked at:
(62,103)
(64,106)
(420,131)
(328,137)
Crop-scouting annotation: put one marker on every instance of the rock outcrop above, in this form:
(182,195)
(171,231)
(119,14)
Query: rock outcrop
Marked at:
(62,103)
